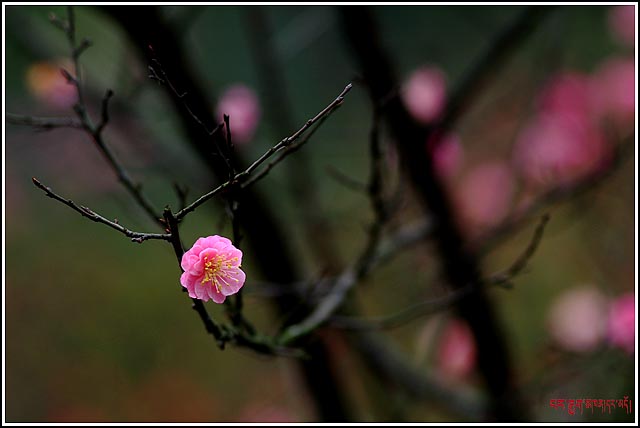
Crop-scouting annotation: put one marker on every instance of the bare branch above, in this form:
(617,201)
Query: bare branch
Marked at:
(93,216)
(105,111)
(84,120)
(44,123)
(289,140)
(283,154)
(181,192)
(504,278)
(346,180)
(283,144)
(417,310)
(388,363)
(345,282)
(401,317)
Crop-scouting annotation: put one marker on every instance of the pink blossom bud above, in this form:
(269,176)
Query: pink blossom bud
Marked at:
(424,94)
(622,322)
(212,269)
(577,319)
(622,23)
(447,154)
(241,104)
(47,84)
(456,354)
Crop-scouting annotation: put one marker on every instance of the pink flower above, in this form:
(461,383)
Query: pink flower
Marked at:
(556,150)
(212,269)
(46,83)
(622,322)
(564,141)
(243,108)
(566,94)
(577,319)
(447,154)
(613,92)
(425,94)
(622,22)
(484,196)
(456,356)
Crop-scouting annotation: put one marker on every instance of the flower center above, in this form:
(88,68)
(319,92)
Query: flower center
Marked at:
(216,268)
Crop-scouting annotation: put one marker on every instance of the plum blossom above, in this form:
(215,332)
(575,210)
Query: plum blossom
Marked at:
(622,323)
(557,150)
(46,83)
(456,354)
(567,94)
(212,269)
(484,196)
(563,141)
(425,94)
(613,89)
(577,319)
(447,154)
(241,104)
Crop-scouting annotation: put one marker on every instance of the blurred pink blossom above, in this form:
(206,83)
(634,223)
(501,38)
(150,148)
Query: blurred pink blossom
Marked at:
(613,91)
(577,319)
(622,322)
(556,150)
(242,106)
(568,95)
(456,354)
(212,269)
(483,197)
(622,23)
(424,94)
(46,83)
(447,153)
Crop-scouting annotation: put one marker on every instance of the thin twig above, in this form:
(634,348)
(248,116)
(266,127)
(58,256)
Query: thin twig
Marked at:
(87,124)
(286,142)
(163,78)
(44,123)
(504,278)
(420,309)
(93,216)
(346,180)
(289,140)
(283,153)
(181,193)
(401,317)
(105,111)
(345,282)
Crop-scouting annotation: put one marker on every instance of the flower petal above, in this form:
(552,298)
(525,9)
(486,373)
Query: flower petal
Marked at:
(201,292)
(215,296)
(232,281)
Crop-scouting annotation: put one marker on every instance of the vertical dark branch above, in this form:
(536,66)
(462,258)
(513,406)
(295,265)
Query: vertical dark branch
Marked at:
(501,46)
(145,27)
(460,267)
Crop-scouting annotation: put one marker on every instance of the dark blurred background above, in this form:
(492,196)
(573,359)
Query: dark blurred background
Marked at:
(96,327)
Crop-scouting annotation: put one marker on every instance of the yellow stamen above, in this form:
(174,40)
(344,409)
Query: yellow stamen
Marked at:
(217,268)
